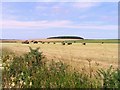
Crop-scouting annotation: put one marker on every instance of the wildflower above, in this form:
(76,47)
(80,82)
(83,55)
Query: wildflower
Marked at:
(13,84)
(22,73)
(30,84)
(28,77)
(12,78)
(24,83)
(8,65)
(21,82)
(9,84)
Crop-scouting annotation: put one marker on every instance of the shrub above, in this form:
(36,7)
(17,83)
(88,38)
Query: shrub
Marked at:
(22,69)
(32,71)
(110,77)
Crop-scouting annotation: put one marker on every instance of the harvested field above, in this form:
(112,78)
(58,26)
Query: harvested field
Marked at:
(76,55)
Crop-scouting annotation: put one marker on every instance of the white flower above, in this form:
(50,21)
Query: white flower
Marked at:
(30,84)
(24,83)
(28,77)
(13,84)
(8,65)
(12,78)
(22,73)
(21,82)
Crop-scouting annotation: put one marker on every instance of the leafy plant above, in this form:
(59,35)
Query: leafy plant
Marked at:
(110,77)
(32,71)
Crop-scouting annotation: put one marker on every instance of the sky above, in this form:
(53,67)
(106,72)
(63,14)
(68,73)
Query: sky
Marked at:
(34,20)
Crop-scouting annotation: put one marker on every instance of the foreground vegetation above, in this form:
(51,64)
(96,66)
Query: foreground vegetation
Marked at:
(33,70)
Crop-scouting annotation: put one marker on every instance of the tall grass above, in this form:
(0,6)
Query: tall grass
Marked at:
(32,70)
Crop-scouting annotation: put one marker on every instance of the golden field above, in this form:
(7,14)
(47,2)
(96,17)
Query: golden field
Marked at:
(76,55)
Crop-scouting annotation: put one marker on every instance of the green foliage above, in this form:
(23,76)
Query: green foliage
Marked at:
(32,71)
(22,69)
(110,77)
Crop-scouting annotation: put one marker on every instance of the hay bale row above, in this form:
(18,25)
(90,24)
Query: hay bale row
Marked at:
(36,42)
(63,43)
(25,42)
(69,43)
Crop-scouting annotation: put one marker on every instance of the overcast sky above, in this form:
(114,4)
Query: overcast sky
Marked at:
(29,20)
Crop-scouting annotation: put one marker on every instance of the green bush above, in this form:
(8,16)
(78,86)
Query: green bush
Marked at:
(110,77)
(32,71)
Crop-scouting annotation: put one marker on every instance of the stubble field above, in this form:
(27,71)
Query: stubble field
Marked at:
(75,55)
